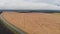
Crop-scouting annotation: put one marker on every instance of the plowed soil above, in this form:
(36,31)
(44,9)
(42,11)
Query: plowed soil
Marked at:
(34,23)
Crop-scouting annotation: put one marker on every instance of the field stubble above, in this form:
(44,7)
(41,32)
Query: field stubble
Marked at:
(34,23)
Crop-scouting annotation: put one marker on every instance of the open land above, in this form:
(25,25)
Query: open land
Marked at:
(34,23)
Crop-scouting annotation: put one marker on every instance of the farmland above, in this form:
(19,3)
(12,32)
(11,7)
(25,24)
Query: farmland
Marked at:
(34,23)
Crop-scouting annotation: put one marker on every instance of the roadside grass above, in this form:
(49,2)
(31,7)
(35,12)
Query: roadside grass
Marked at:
(11,27)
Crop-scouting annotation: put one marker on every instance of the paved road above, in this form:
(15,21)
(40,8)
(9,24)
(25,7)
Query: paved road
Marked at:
(4,30)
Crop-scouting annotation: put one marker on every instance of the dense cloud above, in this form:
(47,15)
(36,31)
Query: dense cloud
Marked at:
(27,4)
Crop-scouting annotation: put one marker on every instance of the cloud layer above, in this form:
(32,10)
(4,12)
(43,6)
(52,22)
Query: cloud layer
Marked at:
(30,5)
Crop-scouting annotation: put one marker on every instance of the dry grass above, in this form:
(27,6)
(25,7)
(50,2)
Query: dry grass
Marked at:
(34,23)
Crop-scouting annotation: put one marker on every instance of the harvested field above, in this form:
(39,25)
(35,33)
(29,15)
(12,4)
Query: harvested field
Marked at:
(34,23)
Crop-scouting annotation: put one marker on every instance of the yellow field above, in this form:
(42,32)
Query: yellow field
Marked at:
(34,23)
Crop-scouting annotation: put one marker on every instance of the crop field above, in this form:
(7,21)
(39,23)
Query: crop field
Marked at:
(34,23)
(58,14)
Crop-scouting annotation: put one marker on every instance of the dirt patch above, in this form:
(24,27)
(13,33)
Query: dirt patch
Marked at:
(34,23)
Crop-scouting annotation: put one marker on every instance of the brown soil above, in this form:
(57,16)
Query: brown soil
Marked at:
(34,23)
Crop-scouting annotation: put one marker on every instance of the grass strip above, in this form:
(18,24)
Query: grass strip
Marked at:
(11,27)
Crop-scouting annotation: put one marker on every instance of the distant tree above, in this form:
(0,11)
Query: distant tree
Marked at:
(0,12)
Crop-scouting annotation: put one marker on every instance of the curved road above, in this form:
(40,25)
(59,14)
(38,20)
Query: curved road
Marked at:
(4,30)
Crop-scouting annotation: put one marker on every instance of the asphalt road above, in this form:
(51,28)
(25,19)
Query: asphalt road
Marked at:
(4,30)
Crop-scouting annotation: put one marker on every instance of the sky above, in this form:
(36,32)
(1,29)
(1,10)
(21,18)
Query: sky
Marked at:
(30,4)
